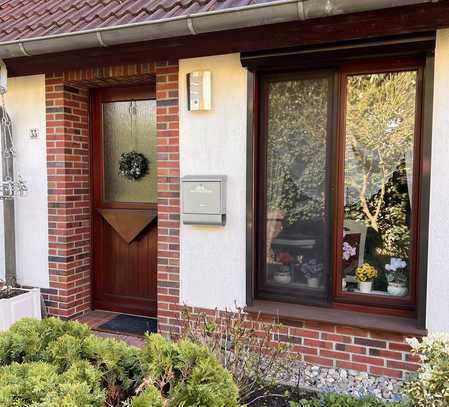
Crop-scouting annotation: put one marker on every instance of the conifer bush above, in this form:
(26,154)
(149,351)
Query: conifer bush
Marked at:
(28,339)
(52,363)
(183,374)
(40,384)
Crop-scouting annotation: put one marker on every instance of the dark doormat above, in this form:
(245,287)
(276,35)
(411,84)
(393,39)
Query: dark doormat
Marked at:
(129,324)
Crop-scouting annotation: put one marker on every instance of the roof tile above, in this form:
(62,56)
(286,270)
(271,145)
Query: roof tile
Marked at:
(20,19)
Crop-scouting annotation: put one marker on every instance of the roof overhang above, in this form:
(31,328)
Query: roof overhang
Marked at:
(280,11)
(338,29)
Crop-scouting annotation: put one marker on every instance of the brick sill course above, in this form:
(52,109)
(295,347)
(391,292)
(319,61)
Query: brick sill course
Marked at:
(294,312)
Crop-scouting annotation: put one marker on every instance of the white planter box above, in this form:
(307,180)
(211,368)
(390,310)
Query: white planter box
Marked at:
(26,305)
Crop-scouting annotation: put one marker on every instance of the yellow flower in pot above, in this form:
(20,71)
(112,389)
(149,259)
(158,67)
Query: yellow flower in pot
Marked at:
(365,275)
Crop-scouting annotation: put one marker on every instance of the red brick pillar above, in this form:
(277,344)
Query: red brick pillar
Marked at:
(168,196)
(68,197)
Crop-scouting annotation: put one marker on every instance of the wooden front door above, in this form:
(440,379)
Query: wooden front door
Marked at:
(124,209)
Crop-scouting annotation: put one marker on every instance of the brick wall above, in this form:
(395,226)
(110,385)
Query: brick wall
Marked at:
(375,352)
(329,345)
(68,197)
(168,195)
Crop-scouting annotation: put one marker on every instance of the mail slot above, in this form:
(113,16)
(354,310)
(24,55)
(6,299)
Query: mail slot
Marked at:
(203,199)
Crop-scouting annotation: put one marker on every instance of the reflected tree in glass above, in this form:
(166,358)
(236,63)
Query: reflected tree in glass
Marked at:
(380,128)
(296,174)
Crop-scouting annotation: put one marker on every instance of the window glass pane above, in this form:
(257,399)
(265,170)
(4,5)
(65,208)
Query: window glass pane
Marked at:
(378,183)
(296,178)
(129,126)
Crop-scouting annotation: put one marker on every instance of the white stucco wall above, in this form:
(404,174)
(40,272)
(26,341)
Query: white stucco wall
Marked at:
(214,142)
(25,103)
(438,263)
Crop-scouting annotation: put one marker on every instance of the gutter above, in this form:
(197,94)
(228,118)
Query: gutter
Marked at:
(279,11)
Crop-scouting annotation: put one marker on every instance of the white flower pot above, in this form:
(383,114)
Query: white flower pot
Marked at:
(282,277)
(365,286)
(313,282)
(397,289)
(343,283)
(26,305)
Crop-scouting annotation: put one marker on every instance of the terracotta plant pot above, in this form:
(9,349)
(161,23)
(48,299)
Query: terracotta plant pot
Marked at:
(365,287)
(396,289)
(313,282)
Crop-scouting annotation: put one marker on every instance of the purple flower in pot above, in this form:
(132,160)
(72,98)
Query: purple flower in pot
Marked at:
(312,271)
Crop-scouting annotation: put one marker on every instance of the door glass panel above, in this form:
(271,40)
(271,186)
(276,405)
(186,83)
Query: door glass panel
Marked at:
(296,179)
(129,126)
(378,184)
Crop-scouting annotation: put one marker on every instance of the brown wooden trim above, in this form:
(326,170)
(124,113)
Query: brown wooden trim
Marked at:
(252,113)
(372,24)
(423,226)
(127,93)
(376,308)
(338,192)
(287,313)
(352,54)
(122,306)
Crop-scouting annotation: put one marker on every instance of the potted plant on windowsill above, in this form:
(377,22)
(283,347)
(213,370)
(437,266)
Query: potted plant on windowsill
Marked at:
(397,277)
(365,275)
(348,254)
(312,271)
(283,274)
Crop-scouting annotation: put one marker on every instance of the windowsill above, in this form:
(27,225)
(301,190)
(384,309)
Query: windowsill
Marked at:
(294,312)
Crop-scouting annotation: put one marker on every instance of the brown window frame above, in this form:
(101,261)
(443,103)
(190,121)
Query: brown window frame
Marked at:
(264,80)
(419,58)
(376,66)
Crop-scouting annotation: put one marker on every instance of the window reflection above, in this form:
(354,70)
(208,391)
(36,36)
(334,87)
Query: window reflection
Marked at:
(378,183)
(296,181)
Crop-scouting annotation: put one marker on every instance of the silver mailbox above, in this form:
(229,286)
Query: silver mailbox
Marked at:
(203,199)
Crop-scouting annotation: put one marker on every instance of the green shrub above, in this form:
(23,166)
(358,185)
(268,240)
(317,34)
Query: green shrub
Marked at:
(52,363)
(28,339)
(150,397)
(184,374)
(430,386)
(65,344)
(118,363)
(338,400)
(40,384)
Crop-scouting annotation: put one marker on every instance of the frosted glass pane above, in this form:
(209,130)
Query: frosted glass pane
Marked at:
(129,126)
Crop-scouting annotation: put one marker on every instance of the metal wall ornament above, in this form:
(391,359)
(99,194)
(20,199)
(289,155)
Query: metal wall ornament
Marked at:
(10,188)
